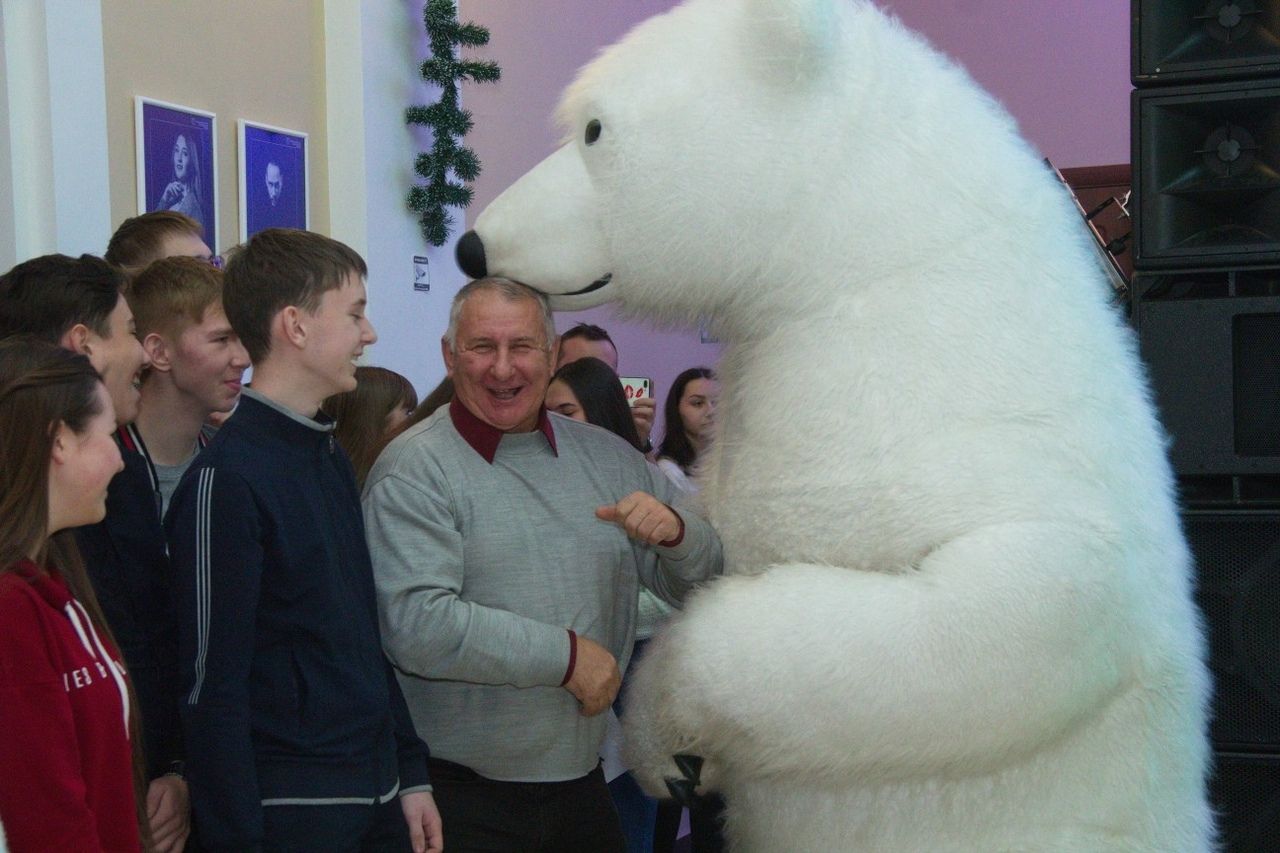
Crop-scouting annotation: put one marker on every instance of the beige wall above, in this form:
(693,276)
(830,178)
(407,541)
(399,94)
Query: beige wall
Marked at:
(261,60)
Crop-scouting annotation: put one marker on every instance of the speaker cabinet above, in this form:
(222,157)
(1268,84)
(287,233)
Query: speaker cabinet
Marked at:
(1211,342)
(1207,175)
(1245,791)
(1187,41)
(1237,556)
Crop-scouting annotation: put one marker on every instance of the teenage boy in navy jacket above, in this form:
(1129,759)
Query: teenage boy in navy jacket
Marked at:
(196,362)
(297,734)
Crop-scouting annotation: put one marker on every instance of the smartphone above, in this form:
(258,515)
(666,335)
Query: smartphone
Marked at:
(635,387)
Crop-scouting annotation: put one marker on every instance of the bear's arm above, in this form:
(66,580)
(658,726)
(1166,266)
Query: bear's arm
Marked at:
(995,644)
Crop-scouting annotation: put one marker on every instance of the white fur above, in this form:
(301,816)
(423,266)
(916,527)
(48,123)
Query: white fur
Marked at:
(959,613)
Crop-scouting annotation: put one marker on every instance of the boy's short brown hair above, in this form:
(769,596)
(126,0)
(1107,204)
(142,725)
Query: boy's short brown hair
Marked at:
(46,296)
(172,294)
(277,268)
(139,240)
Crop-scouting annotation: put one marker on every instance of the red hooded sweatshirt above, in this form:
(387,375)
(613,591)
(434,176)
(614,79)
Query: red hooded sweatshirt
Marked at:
(65,762)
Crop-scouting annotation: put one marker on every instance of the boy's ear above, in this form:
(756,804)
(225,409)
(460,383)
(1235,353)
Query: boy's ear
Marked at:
(158,351)
(77,339)
(292,326)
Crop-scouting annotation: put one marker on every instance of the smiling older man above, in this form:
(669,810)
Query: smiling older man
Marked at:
(507,547)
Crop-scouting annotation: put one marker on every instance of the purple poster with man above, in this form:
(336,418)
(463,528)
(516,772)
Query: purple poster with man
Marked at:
(273,178)
(177,162)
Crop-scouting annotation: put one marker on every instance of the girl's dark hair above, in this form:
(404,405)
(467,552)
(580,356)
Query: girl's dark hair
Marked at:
(361,415)
(675,442)
(599,392)
(42,387)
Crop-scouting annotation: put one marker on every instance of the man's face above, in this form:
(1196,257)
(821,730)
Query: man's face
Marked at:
(119,358)
(503,363)
(576,348)
(185,245)
(337,334)
(275,183)
(207,362)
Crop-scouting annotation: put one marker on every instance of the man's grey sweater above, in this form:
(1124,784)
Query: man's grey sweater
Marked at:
(481,568)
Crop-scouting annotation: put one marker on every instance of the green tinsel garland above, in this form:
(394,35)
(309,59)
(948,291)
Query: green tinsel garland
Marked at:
(446,120)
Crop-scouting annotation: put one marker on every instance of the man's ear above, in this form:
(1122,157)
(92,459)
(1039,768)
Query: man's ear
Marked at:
(448,356)
(158,351)
(555,351)
(77,339)
(292,325)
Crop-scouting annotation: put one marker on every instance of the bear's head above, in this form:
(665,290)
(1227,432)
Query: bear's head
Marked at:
(729,157)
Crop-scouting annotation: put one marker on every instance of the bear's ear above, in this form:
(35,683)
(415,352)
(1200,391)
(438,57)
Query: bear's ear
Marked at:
(792,40)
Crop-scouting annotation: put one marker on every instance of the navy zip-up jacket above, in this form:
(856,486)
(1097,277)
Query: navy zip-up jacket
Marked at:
(287,698)
(129,567)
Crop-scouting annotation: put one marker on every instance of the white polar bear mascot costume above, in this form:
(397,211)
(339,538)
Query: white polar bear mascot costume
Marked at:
(958,612)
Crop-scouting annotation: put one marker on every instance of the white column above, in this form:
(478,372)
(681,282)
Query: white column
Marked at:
(54,186)
(78,121)
(344,123)
(410,322)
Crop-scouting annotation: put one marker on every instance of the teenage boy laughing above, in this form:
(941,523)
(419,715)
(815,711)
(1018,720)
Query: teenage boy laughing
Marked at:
(297,735)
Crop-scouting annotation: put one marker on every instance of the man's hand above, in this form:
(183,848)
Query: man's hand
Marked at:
(595,679)
(642,409)
(643,517)
(169,813)
(425,829)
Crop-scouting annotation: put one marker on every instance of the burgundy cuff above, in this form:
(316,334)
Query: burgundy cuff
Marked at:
(573,657)
(671,543)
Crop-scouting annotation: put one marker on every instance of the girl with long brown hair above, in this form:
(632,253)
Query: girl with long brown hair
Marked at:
(370,416)
(67,722)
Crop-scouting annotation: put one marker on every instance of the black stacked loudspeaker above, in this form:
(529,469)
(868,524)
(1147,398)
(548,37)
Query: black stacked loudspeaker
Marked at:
(1206,305)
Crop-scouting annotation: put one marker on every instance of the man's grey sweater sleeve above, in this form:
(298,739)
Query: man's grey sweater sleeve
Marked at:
(427,629)
(670,573)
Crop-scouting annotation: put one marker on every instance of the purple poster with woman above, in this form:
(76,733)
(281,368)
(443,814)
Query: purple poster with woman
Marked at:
(177,162)
(273,178)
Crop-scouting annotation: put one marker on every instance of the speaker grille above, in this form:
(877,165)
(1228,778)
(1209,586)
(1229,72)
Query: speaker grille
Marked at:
(1238,567)
(1245,790)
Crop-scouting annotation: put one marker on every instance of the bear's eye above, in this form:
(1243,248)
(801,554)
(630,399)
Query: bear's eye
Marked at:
(593,130)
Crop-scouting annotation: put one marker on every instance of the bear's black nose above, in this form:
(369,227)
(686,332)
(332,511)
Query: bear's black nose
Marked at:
(470,254)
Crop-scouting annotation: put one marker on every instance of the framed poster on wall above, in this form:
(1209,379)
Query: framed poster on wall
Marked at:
(274,178)
(177,162)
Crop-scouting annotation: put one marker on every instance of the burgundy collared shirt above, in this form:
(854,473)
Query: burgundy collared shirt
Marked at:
(483,437)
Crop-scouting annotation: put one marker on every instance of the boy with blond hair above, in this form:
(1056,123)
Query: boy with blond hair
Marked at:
(197,362)
(297,735)
(195,367)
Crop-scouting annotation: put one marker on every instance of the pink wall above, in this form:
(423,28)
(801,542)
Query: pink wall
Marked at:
(1062,70)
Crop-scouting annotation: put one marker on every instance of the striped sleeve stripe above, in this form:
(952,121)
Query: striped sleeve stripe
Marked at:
(204,495)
